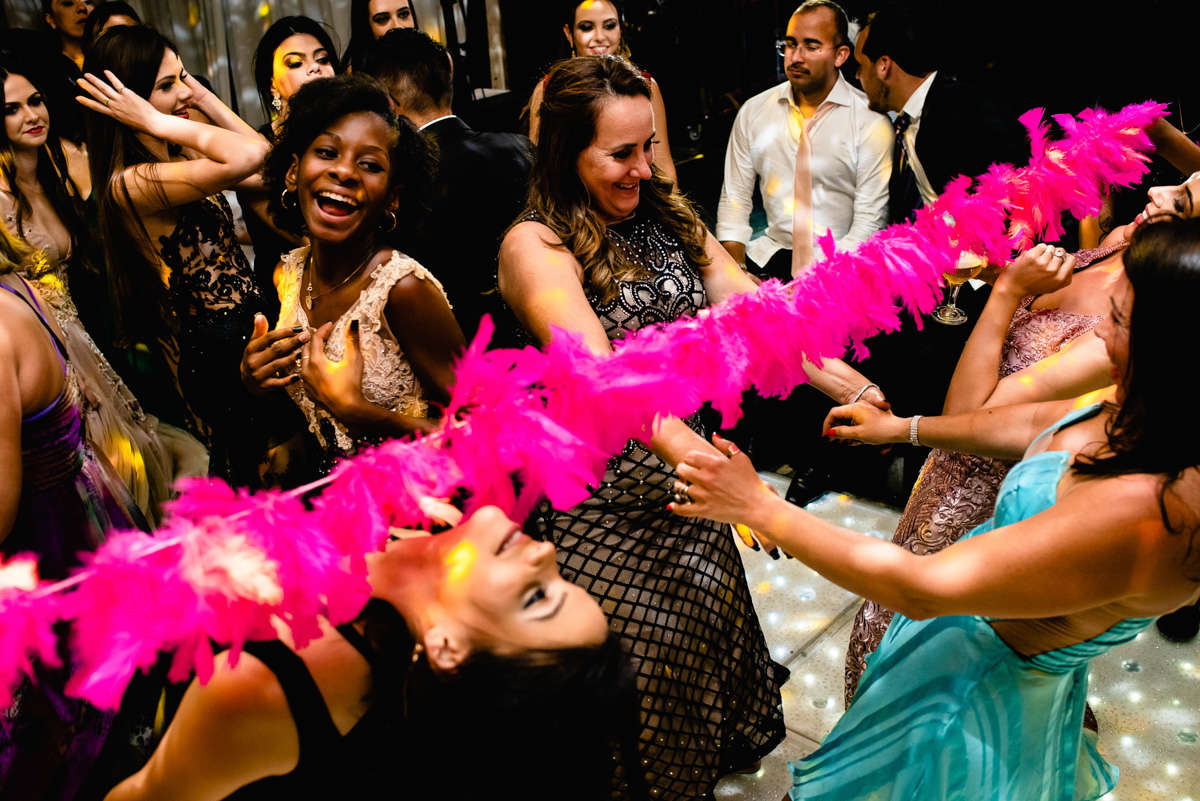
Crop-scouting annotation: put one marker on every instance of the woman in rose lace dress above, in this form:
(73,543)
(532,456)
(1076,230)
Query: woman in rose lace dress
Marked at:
(366,338)
(1013,355)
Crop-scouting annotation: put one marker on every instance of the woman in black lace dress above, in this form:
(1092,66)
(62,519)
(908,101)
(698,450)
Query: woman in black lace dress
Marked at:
(181,281)
(606,247)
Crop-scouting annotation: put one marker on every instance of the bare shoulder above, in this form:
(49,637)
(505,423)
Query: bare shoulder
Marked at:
(246,691)
(530,233)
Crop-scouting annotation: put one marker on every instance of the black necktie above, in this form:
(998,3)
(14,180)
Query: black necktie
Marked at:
(903,195)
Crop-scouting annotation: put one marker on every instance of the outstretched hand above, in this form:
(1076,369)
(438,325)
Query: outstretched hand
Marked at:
(723,487)
(864,422)
(335,385)
(113,99)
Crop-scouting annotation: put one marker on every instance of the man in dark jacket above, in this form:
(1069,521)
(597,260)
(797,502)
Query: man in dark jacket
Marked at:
(481,181)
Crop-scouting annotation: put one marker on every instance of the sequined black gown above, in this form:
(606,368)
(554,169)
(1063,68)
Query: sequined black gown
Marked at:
(210,304)
(674,589)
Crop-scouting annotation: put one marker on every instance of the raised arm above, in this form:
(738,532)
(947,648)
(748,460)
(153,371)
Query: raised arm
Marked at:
(662,143)
(1173,145)
(1082,365)
(1003,432)
(1101,543)
(737,191)
(228,156)
(226,734)
(543,284)
(1039,270)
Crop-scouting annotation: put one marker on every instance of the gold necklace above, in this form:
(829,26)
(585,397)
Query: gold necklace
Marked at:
(308,295)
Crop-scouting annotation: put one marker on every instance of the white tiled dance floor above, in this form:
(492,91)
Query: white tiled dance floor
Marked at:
(1146,694)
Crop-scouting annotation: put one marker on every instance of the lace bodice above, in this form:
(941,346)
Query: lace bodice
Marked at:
(388,379)
(208,275)
(49,249)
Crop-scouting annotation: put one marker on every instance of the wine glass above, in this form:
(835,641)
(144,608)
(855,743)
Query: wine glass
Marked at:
(969,265)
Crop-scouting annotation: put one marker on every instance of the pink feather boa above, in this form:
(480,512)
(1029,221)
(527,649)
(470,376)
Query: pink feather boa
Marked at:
(227,563)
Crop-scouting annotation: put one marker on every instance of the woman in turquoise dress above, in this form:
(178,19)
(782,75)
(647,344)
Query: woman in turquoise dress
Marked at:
(977,690)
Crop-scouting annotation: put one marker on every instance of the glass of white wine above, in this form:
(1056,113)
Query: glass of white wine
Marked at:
(969,265)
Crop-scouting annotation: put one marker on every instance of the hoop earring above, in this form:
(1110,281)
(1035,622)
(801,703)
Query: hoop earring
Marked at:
(276,101)
(283,199)
(395,221)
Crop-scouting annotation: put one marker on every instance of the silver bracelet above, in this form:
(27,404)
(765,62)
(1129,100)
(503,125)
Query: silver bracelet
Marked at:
(863,391)
(912,430)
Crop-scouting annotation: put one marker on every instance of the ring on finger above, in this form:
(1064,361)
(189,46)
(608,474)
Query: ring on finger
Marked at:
(1059,253)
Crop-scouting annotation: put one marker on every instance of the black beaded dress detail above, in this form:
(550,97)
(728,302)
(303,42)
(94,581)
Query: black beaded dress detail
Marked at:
(210,303)
(674,589)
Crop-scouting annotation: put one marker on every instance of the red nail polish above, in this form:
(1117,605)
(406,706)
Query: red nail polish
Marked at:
(831,433)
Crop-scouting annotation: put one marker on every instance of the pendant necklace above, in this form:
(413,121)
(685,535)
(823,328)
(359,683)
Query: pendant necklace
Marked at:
(309,297)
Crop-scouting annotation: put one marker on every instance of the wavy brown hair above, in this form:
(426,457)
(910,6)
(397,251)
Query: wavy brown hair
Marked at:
(576,91)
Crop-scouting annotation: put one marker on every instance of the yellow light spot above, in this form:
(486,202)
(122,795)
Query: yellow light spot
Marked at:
(193,15)
(1095,396)
(264,10)
(1025,381)
(763,586)
(460,561)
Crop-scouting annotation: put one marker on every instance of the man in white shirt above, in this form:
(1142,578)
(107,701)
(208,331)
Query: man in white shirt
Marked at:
(851,149)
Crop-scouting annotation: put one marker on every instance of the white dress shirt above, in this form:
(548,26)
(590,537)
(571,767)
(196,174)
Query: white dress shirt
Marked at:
(851,166)
(913,108)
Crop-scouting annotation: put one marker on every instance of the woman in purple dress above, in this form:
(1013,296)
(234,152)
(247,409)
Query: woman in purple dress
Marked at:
(57,500)
(1011,357)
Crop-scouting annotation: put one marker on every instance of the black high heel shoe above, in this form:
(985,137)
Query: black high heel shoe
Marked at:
(1182,624)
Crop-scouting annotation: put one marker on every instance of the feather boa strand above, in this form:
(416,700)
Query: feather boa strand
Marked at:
(227,564)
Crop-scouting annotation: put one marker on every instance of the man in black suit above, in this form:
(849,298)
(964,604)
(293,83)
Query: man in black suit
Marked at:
(481,181)
(943,129)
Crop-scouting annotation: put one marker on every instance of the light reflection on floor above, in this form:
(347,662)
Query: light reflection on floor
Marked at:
(1146,694)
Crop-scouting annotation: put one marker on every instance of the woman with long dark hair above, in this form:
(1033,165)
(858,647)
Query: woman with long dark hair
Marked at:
(42,203)
(978,687)
(1030,316)
(292,52)
(370,20)
(354,179)
(475,658)
(182,284)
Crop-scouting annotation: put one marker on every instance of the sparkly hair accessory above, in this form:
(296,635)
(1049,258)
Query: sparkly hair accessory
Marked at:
(226,563)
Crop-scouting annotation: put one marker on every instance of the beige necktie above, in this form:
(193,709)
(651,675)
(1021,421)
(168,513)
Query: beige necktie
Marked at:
(802,218)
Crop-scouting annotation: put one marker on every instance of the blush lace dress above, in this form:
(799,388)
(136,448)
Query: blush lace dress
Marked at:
(674,589)
(956,492)
(387,380)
